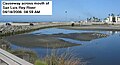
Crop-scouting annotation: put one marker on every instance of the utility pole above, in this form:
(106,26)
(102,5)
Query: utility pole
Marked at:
(66,14)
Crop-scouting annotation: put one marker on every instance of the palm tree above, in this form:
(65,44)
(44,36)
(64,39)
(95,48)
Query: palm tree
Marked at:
(90,19)
(99,20)
(96,19)
(118,15)
(105,18)
(93,18)
(112,14)
(87,19)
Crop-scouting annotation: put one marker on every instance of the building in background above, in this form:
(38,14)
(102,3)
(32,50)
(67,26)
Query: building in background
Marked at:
(112,18)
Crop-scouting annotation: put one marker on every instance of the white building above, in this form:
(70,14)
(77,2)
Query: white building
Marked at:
(113,18)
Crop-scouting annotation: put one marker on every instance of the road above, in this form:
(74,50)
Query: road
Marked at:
(11,59)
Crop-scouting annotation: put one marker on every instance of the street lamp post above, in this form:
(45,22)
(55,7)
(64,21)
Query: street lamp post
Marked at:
(66,14)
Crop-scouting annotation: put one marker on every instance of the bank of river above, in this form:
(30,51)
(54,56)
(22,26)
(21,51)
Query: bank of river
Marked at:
(93,27)
(97,51)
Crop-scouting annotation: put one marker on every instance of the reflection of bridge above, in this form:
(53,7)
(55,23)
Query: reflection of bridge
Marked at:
(11,59)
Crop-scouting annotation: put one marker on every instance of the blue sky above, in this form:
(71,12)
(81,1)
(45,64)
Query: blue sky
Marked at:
(76,10)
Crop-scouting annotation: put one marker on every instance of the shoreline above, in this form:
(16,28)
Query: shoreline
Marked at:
(92,27)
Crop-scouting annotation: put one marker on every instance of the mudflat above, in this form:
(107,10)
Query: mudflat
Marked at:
(82,36)
(45,41)
(52,40)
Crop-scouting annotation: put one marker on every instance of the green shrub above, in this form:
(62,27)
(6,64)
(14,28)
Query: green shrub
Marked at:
(38,62)
(65,58)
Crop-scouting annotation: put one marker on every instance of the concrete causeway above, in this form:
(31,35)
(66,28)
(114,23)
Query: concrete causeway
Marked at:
(23,27)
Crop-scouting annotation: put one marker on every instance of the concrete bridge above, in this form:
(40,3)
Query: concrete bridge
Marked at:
(11,59)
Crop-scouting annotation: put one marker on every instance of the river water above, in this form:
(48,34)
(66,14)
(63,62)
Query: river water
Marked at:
(102,51)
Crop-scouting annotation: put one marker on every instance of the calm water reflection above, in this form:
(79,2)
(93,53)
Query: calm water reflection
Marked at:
(103,51)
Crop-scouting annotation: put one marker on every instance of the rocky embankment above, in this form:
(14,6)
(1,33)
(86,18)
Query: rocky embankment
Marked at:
(7,30)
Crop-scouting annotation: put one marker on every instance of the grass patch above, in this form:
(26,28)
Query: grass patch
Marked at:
(38,62)
(65,58)
(29,56)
